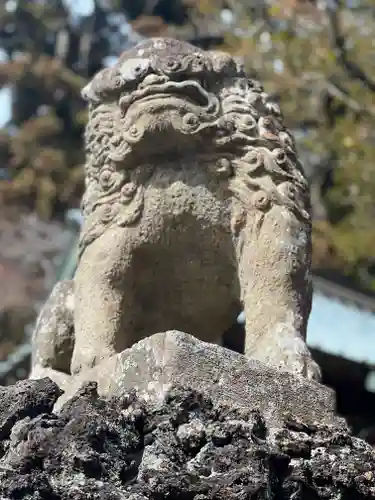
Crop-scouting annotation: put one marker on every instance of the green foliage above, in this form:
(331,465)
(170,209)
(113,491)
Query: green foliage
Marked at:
(44,155)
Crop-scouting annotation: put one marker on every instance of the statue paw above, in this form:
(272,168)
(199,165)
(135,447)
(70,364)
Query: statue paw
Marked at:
(292,355)
(313,371)
(297,359)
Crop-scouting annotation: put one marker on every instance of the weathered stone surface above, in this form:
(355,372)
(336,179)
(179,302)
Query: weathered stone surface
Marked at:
(195,207)
(188,448)
(53,335)
(27,398)
(154,364)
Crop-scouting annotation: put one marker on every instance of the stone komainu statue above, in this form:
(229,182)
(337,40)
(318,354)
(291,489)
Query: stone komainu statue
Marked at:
(195,207)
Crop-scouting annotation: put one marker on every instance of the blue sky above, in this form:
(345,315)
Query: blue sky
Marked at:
(4,98)
(80,7)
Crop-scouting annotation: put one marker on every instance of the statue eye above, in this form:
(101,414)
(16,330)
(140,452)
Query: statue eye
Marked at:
(134,69)
(171,64)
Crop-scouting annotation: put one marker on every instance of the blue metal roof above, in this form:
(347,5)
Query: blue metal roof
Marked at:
(342,329)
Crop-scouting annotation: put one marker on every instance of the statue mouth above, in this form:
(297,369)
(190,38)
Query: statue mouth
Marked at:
(191,91)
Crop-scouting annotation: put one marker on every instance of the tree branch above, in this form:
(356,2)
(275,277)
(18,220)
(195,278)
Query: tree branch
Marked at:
(338,43)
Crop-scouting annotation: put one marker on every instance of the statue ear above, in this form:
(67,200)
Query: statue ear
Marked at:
(86,92)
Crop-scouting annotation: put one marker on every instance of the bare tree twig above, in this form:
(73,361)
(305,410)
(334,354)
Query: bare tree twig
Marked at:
(335,91)
(350,102)
(338,42)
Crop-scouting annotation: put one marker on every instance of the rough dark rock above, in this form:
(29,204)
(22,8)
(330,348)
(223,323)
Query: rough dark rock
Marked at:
(27,398)
(187,448)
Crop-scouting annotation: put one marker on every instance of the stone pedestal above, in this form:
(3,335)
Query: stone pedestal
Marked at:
(165,359)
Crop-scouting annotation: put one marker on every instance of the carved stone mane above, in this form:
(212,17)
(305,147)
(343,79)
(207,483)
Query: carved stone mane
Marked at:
(224,115)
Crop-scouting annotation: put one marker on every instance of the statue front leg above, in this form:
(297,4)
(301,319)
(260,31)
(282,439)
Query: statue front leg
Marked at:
(99,300)
(276,287)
